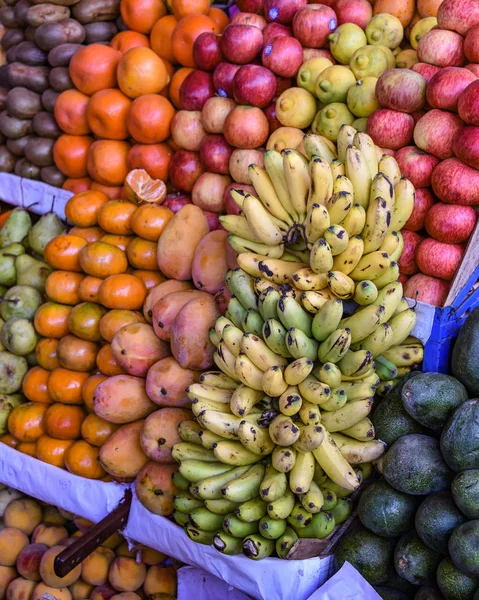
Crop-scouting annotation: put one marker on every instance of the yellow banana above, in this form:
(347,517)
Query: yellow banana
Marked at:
(224,425)
(343,184)
(290,401)
(335,346)
(238,196)
(260,221)
(218,379)
(242,245)
(393,244)
(345,139)
(263,285)
(348,259)
(273,163)
(355,220)
(321,177)
(317,221)
(255,439)
(315,145)
(259,353)
(225,360)
(377,342)
(404,205)
(306,279)
(405,355)
(365,293)
(391,274)
(356,363)
(356,452)
(243,399)
(199,404)
(339,205)
(298,370)
(301,475)
(273,382)
(367,147)
(337,238)
(234,453)
(297,178)
(382,187)
(389,297)
(363,322)
(337,168)
(389,166)
(371,266)
(248,373)
(334,464)
(363,431)
(345,417)
(321,259)
(238,226)
(210,392)
(341,285)
(378,218)
(402,325)
(267,194)
(357,171)
(249,262)
(279,271)
(309,413)
(314,301)
(313,390)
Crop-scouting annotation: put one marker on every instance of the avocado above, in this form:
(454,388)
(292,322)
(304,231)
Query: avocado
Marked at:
(370,554)
(464,548)
(385,511)
(387,593)
(414,561)
(428,593)
(414,465)
(454,584)
(431,397)
(460,437)
(465,355)
(436,519)
(465,491)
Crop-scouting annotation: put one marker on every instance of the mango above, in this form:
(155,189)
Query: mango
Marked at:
(160,433)
(167,308)
(122,399)
(155,489)
(121,455)
(160,290)
(136,348)
(167,381)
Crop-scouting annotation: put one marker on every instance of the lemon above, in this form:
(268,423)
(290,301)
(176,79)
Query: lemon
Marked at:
(362,100)
(329,120)
(345,41)
(333,84)
(420,29)
(296,107)
(309,71)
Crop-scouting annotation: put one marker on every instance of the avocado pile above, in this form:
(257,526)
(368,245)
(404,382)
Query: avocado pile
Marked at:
(418,536)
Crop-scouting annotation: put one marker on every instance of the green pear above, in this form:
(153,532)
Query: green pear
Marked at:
(31,271)
(14,249)
(19,336)
(8,272)
(16,227)
(2,323)
(46,228)
(20,301)
(7,404)
(12,371)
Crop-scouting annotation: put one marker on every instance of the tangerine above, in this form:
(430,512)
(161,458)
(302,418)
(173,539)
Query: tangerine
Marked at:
(46,353)
(82,459)
(9,440)
(185,34)
(160,37)
(84,321)
(81,184)
(100,259)
(93,68)
(89,289)
(141,71)
(149,119)
(51,320)
(77,354)
(149,278)
(63,251)
(122,291)
(141,15)
(175,86)
(142,254)
(65,385)
(219,17)
(89,387)
(149,221)
(106,114)
(115,217)
(154,158)
(96,430)
(34,385)
(64,422)
(119,241)
(183,8)
(52,451)
(26,422)
(112,191)
(27,448)
(106,363)
(106,161)
(70,112)
(90,234)
(82,209)
(115,319)
(70,153)
(126,40)
(63,287)
(140,187)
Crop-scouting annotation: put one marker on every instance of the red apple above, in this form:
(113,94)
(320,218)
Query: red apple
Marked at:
(207,51)
(185,168)
(390,128)
(246,127)
(458,16)
(435,131)
(248,18)
(407,262)
(213,220)
(214,113)
(282,84)
(270,112)
(456,183)
(449,223)
(317,53)
(251,6)
(313,23)
(358,12)
(417,114)
(209,190)
(388,151)
(441,48)
(426,70)
(273,30)
(231,208)
(471,44)
(282,11)
(422,203)
(241,159)
(284,56)
(473,68)
(223,78)
(196,89)
(403,279)
(468,104)
(215,153)
(187,130)
(401,89)
(429,290)
(241,43)
(176,201)
(254,85)
(446,86)
(416,165)
(438,259)
(466,146)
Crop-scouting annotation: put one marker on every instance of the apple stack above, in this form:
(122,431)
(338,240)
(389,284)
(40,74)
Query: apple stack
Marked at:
(433,106)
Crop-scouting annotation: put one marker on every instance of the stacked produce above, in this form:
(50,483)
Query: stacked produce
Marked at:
(429,493)
(40,41)
(34,533)
(279,427)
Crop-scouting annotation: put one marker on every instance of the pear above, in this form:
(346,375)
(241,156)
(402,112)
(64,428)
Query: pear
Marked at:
(31,271)
(14,249)
(20,301)
(7,404)
(12,371)
(2,323)
(19,336)
(8,273)
(46,228)
(15,228)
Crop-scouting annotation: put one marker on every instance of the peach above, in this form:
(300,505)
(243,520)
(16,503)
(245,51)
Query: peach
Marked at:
(80,590)
(53,516)
(50,535)
(113,541)
(167,381)
(155,488)
(160,433)
(123,550)
(56,593)
(126,596)
(28,562)
(136,348)
(48,574)
(150,556)
(122,399)
(20,589)
(7,575)
(102,592)
(24,514)
(12,542)
(94,569)
(126,575)
(83,524)
(160,580)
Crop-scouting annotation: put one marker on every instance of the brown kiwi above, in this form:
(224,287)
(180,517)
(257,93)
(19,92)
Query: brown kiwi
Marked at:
(48,99)
(52,176)
(21,8)
(33,78)
(24,168)
(45,125)
(46,13)
(23,103)
(3,98)
(7,160)
(17,147)
(29,53)
(14,128)
(12,37)
(7,17)
(60,79)
(100,32)
(94,11)
(61,55)
(39,151)
(51,35)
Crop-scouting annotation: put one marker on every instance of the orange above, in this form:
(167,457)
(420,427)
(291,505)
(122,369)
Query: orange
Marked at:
(82,459)
(76,354)
(112,191)
(27,448)
(149,221)
(154,158)
(90,234)
(115,217)
(52,451)
(63,287)
(141,15)
(185,34)
(182,8)
(106,363)
(119,241)
(70,112)
(63,422)
(219,17)
(115,319)
(51,320)
(89,289)
(123,291)
(63,252)
(149,119)
(34,385)
(96,430)
(149,278)
(84,321)
(106,114)
(126,40)
(46,353)
(175,85)
(93,68)
(9,441)
(142,254)
(99,259)
(140,187)
(160,37)
(65,386)
(70,154)
(106,161)
(82,184)
(89,387)
(26,422)
(141,71)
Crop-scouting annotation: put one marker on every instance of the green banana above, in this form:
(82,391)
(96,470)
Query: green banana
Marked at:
(286,542)
(299,517)
(336,490)
(283,459)
(198,536)
(300,345)
(281,508)
(245,487)
(268,304)
(329,374)
(234,453)
(227,544)
(180,518)
(235,312)
(274,334)
(291,314)
(319,475)
(201,518)
(301,475)
(342,511)
(313,499)
(186,503)
(274,484)
(251,511)
(257,547)
(329,495)
(272,529)
(283,431)
(252,322)
(180,482)
(322,524)
(335,345)
(338,400)
(237,528)
(355,364)
(221,506)
(385,369)
(314,391)
(209,488)
(345,417)
(196,470)
(183,451)
(363,322)
(327,319)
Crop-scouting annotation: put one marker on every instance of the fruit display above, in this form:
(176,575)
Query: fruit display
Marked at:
(419,522)
(34,533)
